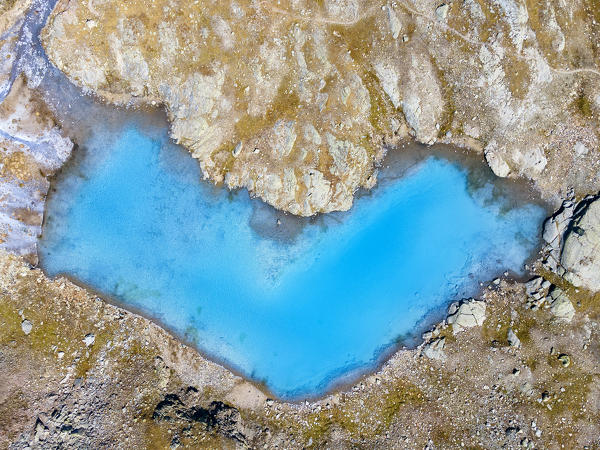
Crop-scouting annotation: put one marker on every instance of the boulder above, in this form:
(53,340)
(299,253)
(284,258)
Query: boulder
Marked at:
(435,349)
(495,161)
(441,12)
(580,255)
(555,226)
(560,305)
(466,314)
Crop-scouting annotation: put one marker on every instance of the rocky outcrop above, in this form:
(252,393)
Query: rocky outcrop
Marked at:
(572,237)
(217,416)
(581,249)
(292,101)
(32,148)
(466,314)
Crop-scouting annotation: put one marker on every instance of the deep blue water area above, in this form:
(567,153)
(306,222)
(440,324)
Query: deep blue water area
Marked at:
(298,304)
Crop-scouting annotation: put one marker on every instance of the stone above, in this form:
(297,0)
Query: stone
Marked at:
(89,339)
(496,162)
(555,226)
(441,12)
(580,255)
(533,285)
(513,339)
(580,149)
(394,22)
(435,349)
(560,305)
(466,314)
(26,326)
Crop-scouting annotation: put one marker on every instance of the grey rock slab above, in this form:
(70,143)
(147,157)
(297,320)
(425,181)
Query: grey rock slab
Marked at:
(469,313)
(89,340)
(581,250)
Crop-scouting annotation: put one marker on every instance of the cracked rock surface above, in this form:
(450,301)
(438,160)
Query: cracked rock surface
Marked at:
(466,314)
(581,250)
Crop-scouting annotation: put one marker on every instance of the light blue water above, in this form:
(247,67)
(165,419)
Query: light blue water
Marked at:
(132,219)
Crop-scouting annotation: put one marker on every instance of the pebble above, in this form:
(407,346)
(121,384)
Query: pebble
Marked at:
(89,339)
(26,326)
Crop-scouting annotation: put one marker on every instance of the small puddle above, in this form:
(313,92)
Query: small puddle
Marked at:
(299,304)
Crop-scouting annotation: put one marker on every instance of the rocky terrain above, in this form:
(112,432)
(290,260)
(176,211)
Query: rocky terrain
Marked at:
(295,102)
(517,367)
(31,149)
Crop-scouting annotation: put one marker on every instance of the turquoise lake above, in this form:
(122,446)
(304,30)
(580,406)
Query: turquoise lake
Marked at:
(299,304)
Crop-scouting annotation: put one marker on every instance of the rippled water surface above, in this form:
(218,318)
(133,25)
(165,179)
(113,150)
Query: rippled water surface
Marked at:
(297,304)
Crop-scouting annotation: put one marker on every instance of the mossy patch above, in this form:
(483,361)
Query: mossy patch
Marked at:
(583,105)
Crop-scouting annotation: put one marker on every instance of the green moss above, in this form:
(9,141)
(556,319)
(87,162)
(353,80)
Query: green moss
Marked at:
(284,106)
(532,363)
(10,322)
(358,40)
(582,299)
(449,110)
(495,328)
(401,395)
(382,109)
(518,73)
(583,105)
